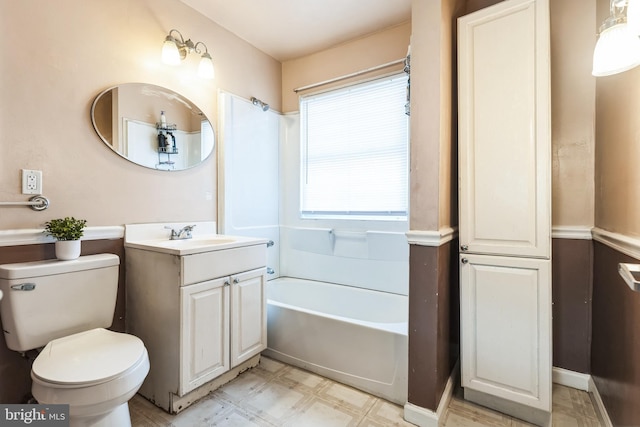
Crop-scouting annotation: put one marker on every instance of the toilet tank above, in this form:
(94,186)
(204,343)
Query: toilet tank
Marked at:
(45,300)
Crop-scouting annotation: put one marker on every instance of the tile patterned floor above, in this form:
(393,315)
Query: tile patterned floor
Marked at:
(275,394)
(571,408)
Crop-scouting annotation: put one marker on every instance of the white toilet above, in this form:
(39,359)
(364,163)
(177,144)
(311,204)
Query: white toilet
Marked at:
(65,306)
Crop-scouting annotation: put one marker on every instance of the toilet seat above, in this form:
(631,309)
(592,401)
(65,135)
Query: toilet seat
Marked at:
(88,358)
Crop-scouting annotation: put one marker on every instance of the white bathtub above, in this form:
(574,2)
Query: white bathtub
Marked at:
(354,336)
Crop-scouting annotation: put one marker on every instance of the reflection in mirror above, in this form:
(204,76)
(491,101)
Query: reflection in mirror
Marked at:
(152,126)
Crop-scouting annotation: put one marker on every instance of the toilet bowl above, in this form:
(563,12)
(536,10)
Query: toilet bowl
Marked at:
(65,306)
(95,372)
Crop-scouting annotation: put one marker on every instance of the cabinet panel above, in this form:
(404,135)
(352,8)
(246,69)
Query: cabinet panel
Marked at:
(249,315)
(504,130)
(210,265)
(204,334)
(506,328)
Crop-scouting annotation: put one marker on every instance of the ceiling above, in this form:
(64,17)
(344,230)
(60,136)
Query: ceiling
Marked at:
(289,29)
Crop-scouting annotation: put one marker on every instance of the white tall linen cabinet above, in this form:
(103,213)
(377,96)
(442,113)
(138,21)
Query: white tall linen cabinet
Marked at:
(505,208)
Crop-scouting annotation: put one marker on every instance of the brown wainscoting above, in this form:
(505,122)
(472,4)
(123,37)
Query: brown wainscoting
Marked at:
(15,383)
(475,5)
(572,267)
(615,350)
(433,321)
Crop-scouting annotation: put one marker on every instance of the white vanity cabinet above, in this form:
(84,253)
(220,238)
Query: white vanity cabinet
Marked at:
(223,325)
(201,316)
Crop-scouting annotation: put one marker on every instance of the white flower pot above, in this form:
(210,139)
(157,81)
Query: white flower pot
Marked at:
(68,249)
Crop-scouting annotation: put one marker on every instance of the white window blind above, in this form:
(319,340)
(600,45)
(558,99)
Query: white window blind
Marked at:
(355,149)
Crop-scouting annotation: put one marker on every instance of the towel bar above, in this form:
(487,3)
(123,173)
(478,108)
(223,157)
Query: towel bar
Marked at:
(37,203)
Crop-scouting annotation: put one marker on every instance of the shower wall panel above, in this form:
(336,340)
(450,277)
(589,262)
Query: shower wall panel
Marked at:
(248,183)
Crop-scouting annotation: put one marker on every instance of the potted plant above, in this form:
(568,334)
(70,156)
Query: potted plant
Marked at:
(67,232)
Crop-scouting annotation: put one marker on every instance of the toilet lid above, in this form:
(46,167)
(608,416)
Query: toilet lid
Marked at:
(93,356)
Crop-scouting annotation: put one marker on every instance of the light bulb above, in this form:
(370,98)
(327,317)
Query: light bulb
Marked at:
(633,17)
(617,50)
(205,69)
(170,52)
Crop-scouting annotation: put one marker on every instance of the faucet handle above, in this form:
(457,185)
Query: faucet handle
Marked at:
(174,233)
(188,229)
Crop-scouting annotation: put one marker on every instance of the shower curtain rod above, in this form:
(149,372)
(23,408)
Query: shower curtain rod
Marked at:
(347,76)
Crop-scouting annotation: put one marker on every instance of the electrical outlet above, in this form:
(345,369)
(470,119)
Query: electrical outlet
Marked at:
(31,181)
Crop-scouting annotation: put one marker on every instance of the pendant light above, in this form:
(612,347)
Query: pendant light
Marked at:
(617,48)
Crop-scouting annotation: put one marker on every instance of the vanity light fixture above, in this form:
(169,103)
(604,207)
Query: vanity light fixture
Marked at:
(175,49)
(618,45)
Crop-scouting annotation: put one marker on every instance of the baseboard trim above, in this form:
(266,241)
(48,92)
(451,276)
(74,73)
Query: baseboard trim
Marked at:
(582,382)
(571,379)
(424,417)
(599,403)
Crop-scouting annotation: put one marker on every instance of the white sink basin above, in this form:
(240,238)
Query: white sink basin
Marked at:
(195,245)
(191,243)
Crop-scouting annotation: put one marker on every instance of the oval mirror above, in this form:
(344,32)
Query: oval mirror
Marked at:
(152,126)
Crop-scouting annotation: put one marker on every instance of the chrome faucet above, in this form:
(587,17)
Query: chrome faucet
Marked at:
(183,233)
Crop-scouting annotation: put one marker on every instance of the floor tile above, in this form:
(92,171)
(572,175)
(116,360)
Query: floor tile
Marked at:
(303,379)
(384,413)
(355,400)
(320,413)
(236,417)
(276,394)
(243,386)
(203,413)
(276,403)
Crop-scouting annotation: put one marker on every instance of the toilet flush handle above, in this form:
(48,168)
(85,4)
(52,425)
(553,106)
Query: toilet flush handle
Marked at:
(24,287)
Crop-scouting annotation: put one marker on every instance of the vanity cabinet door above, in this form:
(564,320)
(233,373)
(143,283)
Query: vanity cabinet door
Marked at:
(204,337)
(249,315)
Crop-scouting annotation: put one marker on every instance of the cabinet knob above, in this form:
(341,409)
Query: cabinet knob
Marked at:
(227,283)
(464,247)
(464,260)
(236,280)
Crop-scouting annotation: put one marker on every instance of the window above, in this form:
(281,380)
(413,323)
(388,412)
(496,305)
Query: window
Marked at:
(355,149)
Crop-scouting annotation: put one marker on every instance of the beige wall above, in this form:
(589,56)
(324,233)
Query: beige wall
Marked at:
(433,129)
(51,72)
(360,54)
(426,120)
(58,55)
(573,37)
(617,176)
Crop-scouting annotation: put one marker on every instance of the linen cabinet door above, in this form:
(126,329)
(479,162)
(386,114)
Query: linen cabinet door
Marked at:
(504,130)
(505,306)
(248,315)
(204,334)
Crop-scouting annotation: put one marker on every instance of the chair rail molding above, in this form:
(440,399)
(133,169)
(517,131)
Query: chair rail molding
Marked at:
(578,232)
(432,238)
(625,244)
(36,236)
